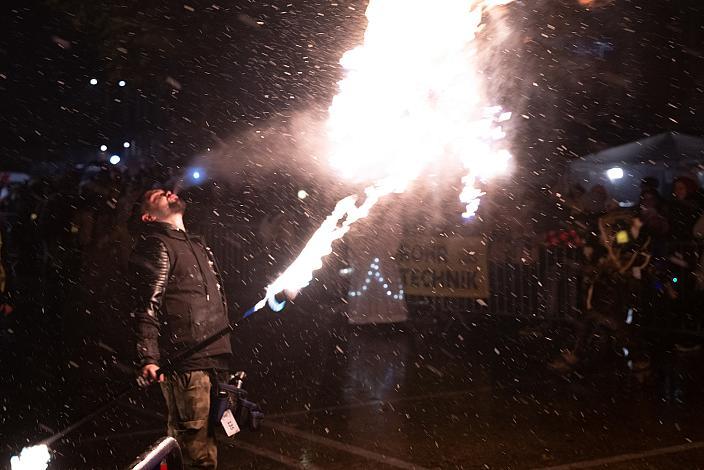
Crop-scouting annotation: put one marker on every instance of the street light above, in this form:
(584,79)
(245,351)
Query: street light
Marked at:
(121,83)
(302,194)
(126,144)
(93,81)
(115,159)
(103,148)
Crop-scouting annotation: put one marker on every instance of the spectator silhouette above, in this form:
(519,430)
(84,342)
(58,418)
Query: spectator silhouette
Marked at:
(684,209)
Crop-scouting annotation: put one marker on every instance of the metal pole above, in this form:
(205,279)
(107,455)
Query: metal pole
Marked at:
(171,365)
(165,448)
(99,410)
(185,354)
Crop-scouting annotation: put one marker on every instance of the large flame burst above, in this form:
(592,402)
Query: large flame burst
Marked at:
(411,97)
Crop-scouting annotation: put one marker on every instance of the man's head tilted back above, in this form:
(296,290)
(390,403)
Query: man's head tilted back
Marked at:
(160,205)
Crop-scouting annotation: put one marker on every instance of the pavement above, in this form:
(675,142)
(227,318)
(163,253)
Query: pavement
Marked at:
(438,391)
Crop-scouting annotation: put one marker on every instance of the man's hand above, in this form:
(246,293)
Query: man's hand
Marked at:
(148,374)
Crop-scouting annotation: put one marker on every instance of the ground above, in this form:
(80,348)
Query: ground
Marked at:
(455,393)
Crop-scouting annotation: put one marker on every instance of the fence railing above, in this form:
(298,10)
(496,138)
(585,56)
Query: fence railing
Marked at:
(547,285)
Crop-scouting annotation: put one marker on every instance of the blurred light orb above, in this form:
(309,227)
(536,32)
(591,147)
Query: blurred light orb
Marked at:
(121,83)
(115,159)
(196,175)
(126,144)
(93,81)
(103,148)
(302,194)
(614,173)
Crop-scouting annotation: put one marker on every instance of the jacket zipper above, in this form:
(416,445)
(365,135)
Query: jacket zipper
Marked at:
(200,268)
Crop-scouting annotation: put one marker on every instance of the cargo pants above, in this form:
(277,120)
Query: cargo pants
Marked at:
(188,396)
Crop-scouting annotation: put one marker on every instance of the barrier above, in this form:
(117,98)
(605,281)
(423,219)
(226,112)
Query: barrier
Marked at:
(546,285)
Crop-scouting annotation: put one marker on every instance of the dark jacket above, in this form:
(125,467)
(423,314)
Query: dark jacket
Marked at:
(178,298)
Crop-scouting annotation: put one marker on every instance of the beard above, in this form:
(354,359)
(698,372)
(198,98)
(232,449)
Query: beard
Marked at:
(178,206)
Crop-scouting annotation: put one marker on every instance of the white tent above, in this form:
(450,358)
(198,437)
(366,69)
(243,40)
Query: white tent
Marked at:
(620,169)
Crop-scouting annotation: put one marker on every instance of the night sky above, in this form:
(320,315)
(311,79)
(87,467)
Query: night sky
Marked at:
(578,78)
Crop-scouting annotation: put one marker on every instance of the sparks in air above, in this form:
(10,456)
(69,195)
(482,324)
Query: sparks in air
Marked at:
(411,97)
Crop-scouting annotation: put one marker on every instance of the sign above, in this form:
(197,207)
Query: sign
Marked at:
(228,422)
(444,267)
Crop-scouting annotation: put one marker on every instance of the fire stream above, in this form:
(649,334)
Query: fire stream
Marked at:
(411,97)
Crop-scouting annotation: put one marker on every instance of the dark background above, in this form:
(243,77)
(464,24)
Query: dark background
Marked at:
(578,76)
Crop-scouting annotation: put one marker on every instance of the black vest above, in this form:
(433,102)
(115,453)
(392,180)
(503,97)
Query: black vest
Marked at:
(193,306)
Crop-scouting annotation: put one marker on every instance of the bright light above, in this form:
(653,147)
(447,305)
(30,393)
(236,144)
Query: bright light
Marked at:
(115,159)
(31,458)
(195,174)
(302,194)
(126,144)
(103,148)
(121,83)
(615,173)
(93,81)
(407,101)
(427,95)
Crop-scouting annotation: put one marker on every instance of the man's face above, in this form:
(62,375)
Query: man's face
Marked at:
(160,204)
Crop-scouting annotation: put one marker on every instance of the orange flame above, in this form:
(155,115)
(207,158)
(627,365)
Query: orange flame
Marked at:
(410,97)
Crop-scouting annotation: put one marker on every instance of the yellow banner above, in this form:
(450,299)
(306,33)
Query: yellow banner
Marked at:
(444,267)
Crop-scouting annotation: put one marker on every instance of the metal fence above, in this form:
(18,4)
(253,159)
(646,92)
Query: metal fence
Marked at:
(549,285)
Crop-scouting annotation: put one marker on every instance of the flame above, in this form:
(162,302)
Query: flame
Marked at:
(480,157)
(335,226)
(411,97)
(31,458)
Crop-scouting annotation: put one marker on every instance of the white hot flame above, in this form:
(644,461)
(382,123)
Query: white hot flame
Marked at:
(335,226)
(31,458)
(411,97)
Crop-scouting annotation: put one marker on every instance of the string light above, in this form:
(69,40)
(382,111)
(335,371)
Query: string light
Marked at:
(374,272)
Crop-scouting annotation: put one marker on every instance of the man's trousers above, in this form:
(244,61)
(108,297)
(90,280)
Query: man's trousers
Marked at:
(188,396)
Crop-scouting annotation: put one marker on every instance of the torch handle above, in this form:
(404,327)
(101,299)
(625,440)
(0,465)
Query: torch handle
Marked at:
(170,366)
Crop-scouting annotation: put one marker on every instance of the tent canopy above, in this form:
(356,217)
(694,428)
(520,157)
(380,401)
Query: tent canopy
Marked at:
(663,157)
(669,148)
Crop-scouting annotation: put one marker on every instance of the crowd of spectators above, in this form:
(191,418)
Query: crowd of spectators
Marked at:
(641,266)
(65,247)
